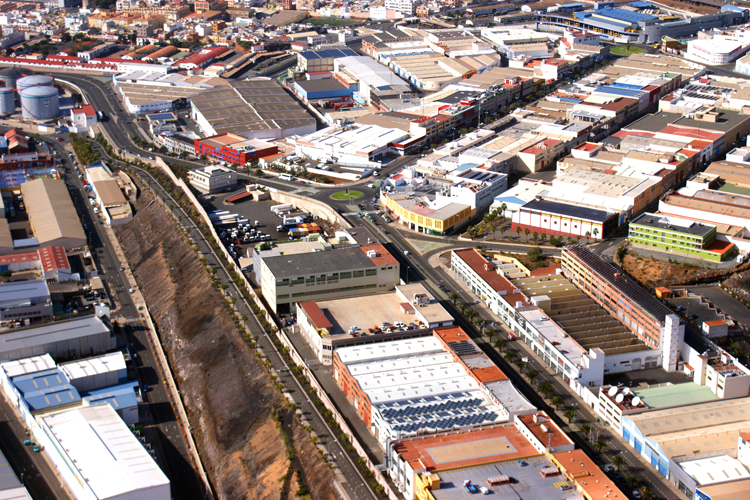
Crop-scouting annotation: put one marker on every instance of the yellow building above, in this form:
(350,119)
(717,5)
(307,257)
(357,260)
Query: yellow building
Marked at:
(441,218)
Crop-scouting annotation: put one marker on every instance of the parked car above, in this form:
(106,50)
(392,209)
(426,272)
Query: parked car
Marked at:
(470,487)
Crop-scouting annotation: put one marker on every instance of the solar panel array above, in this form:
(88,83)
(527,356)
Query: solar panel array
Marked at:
(437,413)
(463,347)
(448,422)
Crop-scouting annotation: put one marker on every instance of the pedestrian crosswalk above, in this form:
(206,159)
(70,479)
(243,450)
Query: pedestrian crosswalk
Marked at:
(560,485)
(135,320)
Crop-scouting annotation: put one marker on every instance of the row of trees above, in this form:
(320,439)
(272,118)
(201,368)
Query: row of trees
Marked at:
(535,236)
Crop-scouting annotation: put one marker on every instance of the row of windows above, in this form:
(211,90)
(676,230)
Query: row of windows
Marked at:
(323,278)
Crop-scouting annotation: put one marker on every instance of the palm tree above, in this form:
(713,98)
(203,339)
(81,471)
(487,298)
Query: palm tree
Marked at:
(518,232)
(596,232)
(490,333)
(570,415)
(471,315)
(500,344)
(454,297)
(647,494)
(585,428)
(511,355)
(462,307)
(521,364)
(544,237)
(633,481)
(545,388)
(531,375)
(558,401)
(527,232)
(502,209)
(588,236)
(535,236)
(570,240)
(600,445)
(617,462)
(502,231)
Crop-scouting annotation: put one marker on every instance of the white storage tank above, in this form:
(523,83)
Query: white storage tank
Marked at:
(9,76)
(40,103)
(7,101)
(34,81)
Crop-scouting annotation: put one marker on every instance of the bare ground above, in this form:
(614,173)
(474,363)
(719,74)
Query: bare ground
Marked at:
(227,393)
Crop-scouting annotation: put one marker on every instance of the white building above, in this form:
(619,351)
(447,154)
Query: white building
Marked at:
(99,458)
(97,372)
(83,117)
(406,7)
(212,179)
(714,51)
(476,187)
(357,145)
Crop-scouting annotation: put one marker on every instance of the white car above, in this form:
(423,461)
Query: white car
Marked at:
(131,290)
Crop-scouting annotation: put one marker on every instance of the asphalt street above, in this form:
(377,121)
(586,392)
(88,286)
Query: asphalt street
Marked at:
(162,429)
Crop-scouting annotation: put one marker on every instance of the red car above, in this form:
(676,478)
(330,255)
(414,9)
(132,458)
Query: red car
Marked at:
(60,139)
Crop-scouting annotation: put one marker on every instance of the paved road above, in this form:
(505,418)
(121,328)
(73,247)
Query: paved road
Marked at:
(162,429)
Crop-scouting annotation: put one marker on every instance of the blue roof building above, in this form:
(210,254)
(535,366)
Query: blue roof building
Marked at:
(52,397)
(40,380)
(122,398)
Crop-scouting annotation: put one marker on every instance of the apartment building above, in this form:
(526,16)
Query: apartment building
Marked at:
(643,314)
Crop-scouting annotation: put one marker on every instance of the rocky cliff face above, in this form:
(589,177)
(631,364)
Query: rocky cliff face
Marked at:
(228,394)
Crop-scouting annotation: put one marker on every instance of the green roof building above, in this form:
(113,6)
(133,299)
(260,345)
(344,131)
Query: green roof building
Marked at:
(680,236)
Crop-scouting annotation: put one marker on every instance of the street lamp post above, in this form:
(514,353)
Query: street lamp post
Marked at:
(407,274)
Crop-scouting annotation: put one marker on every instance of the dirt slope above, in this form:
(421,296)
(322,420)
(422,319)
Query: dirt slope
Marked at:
(227,392)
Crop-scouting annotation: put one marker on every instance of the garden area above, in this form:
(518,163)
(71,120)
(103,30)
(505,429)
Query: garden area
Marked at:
(349,194)
(623,50)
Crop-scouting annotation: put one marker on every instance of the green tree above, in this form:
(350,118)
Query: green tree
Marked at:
(588,236)
(543,237)
(585,428)
(596,232)
(535,236)
(545,388)
(621,253)
(633,481)
(462,307)
(490,333)
(511,355)
(618,461)
(527,232)
(570,415)
(535,254)
(471,315)
(600,445)
(502,231)
(500,344)
(521,364)
(454,297)
(558,401)
(647,494)
(518,232)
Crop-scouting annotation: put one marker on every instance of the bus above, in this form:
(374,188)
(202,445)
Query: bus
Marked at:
(286,177)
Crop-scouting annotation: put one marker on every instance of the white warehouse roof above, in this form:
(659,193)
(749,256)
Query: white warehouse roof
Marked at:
(107,454)
(28,365)
(111,362)
(403,349)
(370,72)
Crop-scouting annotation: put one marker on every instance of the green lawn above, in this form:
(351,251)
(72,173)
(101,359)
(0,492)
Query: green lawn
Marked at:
(343,195)
(320,21)
(622,50)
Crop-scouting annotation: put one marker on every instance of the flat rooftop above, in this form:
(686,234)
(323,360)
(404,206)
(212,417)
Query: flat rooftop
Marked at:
(106,452)
(374,310)
(715,469)
(338,260)
(529,483)
(672,223)
(466,448)
(726,491)
(673,395)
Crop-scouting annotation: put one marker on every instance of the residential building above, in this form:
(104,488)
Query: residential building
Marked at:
(405,7)
(678,235)
(212,179)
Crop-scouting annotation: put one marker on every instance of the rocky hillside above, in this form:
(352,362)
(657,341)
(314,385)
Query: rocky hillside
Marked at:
(228,394)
